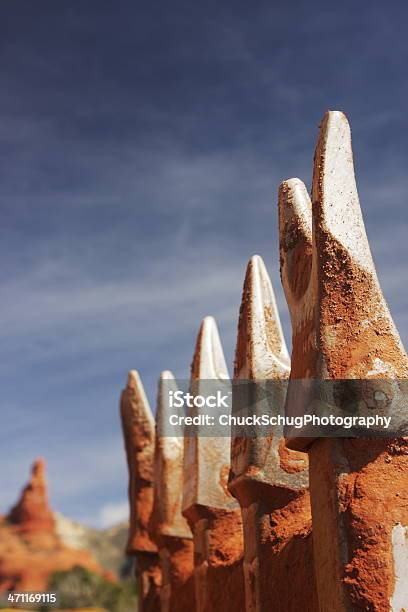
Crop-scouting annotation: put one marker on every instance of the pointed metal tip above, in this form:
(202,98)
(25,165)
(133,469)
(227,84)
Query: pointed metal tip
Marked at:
(208,360)
(295,209)
(335,138)
(295,239)
(134,398)
(294,183)
(261,349)
(256,275)
(166,380)
(344,265)
(335,115)
(255,272)
(333,120)
(208,322)
(167,383)
(166,375)
(133,379)
(256,260)
(336,206)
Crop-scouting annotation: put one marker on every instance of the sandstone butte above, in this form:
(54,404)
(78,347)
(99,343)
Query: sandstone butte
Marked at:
(30,550)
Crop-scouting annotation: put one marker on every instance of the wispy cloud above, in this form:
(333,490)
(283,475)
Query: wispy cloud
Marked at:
(111,514)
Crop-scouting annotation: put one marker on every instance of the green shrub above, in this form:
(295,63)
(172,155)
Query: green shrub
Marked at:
(80,588)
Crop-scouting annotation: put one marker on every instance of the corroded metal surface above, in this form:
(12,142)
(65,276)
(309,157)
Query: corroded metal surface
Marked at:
(207,459)
(342,329)
(261,354)
(139,437)
(269,480)
(168,469)
(213,514)
(168,527)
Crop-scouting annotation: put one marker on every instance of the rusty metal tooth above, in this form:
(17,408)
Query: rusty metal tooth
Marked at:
(169,528)
(347,339)
(211,511)
(269,480)
(138,433)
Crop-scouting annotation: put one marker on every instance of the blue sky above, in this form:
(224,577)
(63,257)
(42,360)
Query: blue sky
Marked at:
(141,146)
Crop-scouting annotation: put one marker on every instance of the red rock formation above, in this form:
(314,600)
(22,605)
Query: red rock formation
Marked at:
(30,550)
(32,511)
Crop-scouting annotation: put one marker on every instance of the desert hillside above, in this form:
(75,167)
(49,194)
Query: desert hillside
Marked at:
(106,545)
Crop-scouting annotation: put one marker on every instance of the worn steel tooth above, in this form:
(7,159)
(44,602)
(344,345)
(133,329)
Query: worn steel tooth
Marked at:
(208,361)
(269,480)
(357,336)
(261,350)
(297,268)
(357,485)
(207,459)
(138,433)
(260,355)
(212,513)
(170,529)
(168,467)
(299,280)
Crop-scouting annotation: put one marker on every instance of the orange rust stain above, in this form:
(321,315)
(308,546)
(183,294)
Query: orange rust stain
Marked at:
(285,551)
(373,504)
(298,252)
(224,476)
(178,573)
(292,461)
(355,329)
(243,347)
(272,330)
